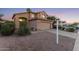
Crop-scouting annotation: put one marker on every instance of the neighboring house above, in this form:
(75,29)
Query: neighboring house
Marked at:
(62,23)
(36,20)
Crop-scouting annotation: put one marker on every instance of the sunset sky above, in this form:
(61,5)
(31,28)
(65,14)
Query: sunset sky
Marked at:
(69,15)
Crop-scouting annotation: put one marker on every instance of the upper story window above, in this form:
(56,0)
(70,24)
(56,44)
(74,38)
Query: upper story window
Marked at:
(20,20)
(32,15)
(43,16)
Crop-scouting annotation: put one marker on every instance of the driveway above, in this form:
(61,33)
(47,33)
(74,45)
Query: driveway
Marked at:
(40,41)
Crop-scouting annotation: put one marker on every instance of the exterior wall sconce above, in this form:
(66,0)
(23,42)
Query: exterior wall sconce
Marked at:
(20,20)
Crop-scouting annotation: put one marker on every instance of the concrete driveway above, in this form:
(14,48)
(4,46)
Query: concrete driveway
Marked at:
(37,41)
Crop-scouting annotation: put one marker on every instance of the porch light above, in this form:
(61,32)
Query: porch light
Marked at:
(32,16)
(20,20)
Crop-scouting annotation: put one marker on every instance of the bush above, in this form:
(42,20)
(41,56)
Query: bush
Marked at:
(7,28)
(0,25)
(23,29)
(62,28)
(70,29)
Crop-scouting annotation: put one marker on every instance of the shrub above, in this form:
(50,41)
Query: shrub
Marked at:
(62,28)
(7,28)
(0,25)
(23,29)
(70,29)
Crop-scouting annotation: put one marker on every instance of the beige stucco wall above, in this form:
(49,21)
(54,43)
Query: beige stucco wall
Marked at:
(40,16)
(38,24)
(33,24)
(16,19)
(21,15)
(16,23)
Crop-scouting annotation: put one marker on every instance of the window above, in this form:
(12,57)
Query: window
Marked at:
(43,16)
(32,16)
(20,20)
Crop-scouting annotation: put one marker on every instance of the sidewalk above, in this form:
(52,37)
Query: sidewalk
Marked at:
(76,46)
(63,33)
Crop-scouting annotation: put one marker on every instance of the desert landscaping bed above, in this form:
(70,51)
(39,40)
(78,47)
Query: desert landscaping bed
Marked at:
(41,41)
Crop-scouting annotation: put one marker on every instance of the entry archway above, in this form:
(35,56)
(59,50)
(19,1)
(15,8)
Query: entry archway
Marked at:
(22,21)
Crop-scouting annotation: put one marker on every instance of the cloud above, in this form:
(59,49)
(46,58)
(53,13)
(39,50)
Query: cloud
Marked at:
(7,17)
(66,17)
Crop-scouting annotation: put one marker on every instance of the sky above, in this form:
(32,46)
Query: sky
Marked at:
(70,15)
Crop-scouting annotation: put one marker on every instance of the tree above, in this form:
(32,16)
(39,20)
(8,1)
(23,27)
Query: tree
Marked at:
(29,10)
(53,19)
(1,15)
(75,23)
(7,28)
(23,29)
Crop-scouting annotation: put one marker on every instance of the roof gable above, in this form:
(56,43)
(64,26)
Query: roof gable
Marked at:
(42,12)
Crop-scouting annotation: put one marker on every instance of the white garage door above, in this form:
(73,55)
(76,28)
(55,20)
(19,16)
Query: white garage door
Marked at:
(43,26)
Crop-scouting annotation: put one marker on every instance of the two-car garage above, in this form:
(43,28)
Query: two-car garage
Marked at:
(43,25)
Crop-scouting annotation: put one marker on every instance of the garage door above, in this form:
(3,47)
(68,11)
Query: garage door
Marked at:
(43,26)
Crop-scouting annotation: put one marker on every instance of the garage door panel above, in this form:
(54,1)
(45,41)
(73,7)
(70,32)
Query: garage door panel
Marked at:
(43,26)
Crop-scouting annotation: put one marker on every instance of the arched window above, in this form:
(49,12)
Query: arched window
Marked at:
(22,19)
(32,15)
(42,16)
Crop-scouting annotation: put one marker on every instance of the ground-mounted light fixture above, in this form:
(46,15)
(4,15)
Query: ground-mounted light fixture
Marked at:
(20,20)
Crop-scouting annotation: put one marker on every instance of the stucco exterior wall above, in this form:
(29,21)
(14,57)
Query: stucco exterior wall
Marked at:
(16,23)
(16,19)
(33,24)
(41,16)
(35,20)
(22,15)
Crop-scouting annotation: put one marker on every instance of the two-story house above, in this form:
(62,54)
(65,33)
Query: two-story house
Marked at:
(36,20)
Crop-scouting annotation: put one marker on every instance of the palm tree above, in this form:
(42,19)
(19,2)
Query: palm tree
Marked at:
(29,11)
(53,19)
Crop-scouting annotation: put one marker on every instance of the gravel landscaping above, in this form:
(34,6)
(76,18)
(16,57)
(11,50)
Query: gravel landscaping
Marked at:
(41,41)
